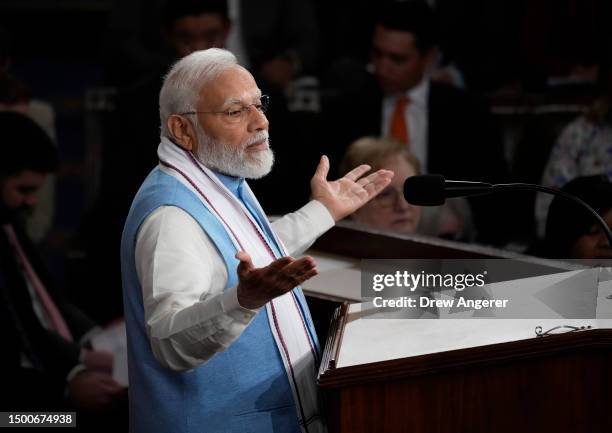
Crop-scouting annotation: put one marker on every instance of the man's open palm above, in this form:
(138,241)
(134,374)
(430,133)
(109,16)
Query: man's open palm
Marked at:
(347,194)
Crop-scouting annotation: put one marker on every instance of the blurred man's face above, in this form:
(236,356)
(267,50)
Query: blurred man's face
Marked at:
(197,32)
(398,64)
(20,192)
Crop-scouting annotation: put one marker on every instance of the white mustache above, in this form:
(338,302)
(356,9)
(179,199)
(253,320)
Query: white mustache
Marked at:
(257,138)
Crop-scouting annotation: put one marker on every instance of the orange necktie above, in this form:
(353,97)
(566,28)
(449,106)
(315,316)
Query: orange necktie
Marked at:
(399,126)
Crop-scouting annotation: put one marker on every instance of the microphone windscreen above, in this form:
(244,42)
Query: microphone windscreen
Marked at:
(425,190)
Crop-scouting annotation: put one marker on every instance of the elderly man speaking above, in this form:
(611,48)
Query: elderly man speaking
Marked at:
(219,334)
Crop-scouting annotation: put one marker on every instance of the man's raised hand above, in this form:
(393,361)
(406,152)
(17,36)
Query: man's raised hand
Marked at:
(257,286)
(347,194)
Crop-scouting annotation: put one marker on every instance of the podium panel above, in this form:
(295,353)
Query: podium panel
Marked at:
(556,383)
(439,376)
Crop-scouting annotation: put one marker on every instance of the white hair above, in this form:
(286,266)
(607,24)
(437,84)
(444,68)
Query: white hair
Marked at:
(180,91)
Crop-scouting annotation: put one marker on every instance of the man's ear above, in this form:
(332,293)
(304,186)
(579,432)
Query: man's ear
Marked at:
(181,131)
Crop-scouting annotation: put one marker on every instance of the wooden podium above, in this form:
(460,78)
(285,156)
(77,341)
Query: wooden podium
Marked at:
(344,245)
(557,383)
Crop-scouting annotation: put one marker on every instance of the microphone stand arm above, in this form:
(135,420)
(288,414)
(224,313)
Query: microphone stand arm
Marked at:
(530,187)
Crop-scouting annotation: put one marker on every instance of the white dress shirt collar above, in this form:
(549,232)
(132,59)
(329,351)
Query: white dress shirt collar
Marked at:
(419,94)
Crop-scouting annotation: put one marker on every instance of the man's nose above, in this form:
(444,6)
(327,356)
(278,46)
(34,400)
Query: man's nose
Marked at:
(257,120)
(31,200)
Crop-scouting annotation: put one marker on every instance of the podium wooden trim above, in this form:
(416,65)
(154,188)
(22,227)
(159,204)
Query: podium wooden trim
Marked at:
(537,369)
(352,240)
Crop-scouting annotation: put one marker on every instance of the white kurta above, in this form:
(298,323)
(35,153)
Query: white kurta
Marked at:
(189,317)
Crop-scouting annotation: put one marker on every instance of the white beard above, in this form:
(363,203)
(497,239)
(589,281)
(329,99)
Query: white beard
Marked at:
(231,161)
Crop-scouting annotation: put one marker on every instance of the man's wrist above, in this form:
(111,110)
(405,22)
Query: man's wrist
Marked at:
(231,305)
(247,304)
(328,208)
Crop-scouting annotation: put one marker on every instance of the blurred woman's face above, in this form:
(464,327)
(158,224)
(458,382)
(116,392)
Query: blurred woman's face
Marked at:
(389,210)
(594,244)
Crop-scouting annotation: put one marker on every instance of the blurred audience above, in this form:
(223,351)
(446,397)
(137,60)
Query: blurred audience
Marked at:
(562,44)
(145,37)
(131,135)
(389,210)
(15,96)
(286,44)
(450,131)
(188,25)
(584,148)
(192,25)
(277,39)
(47,361)
(572,232)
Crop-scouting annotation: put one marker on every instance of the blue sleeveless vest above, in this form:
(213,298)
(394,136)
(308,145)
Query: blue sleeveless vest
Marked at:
(242,389)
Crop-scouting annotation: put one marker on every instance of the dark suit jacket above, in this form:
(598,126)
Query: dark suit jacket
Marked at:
(463,140)
(274,27)
(21,332)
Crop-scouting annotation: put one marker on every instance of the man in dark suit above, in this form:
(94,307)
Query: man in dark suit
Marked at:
(450,131)
(46,362)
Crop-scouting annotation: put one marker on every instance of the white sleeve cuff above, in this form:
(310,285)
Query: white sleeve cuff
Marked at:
(298,230)
(320,215)
(231,306)
(89,335)
(75,370)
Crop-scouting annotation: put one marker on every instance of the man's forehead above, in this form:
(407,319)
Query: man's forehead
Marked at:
(244,98)
(390,40)
(31,175)
(26,178)
(234,85)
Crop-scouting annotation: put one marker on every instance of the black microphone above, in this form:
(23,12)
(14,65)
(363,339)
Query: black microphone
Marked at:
(433,190)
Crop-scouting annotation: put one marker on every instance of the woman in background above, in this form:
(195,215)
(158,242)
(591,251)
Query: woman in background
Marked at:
(389,210)
(571,231)
(584,148)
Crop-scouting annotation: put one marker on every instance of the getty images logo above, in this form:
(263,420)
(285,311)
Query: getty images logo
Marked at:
(412,281)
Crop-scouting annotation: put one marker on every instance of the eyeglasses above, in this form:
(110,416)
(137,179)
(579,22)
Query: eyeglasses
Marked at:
(389,197)
(237,112)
